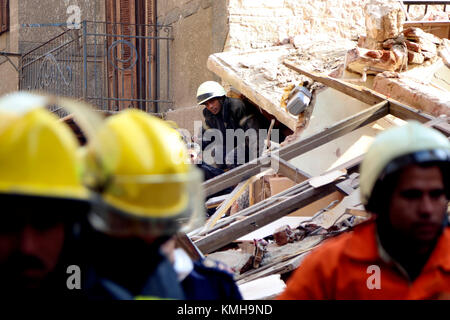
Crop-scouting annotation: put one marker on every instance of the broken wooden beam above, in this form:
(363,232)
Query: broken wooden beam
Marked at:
(396,108)
(361,93)
(232,197)
(216,201)
(221,237)
(288,170)
(297,148)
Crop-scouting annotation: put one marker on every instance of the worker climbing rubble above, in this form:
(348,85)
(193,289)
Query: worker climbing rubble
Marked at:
(403,253)
(226,115)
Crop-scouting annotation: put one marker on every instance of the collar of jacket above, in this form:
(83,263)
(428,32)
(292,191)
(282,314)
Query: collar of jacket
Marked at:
(363,246)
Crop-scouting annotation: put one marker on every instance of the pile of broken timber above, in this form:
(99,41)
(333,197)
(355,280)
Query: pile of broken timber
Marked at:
(263,258)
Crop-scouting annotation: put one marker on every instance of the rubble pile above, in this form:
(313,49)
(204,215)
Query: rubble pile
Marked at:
(405,64)
(387,47)
(390,52)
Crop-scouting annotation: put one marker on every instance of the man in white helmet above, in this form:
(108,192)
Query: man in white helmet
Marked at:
(224,113)
(404,252)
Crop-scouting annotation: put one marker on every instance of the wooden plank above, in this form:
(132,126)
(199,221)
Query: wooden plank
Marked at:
(337,130)
(396,108)
(298,148)
(283,167)
(349,185)
(234,176)
(440,29)
(366,95)
(253,209)
(216,201)
(327,178)
(357,212)
(265,216)
(232,197)
(332,216)
(288,202)
(406,113)
(269,229)
(361,93)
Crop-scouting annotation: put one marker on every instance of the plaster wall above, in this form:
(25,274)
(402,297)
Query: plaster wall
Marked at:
(9,78)
(200,28)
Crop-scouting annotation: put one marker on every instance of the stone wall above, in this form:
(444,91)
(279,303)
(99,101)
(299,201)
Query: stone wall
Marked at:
(259,24)
(264,23)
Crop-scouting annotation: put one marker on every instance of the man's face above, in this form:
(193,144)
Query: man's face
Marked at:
(29,250)
(418,204)
(213,105)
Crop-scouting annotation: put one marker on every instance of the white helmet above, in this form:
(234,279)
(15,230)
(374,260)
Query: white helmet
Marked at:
(396,148)
(208,90)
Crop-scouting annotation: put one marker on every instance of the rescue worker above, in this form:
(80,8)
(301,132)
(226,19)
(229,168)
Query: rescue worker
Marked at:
(42,198)
(144,191)
(224,113)
(404,252)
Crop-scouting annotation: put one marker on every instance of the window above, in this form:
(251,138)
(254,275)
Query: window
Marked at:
(4,16)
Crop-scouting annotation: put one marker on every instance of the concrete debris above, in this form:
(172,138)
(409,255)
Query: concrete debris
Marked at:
(403,61)
(416,93)
(384,19)
(285,235)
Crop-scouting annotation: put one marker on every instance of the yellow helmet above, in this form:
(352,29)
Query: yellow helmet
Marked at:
(38,153)
(395,148)
(140,171)
(208,90)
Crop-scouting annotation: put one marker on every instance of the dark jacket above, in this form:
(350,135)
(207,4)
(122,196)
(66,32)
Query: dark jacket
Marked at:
(209,280)
(234,115)
(233,111)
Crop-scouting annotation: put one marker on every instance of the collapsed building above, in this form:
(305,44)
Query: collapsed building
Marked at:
(306,189)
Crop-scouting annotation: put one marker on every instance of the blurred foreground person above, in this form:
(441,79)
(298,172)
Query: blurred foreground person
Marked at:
(144,191)
(42,198)
(404,253)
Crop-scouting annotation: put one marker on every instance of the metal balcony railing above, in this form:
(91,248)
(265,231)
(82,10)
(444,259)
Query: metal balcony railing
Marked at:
(110,65)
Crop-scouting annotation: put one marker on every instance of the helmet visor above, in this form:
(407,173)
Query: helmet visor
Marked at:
(419,157)
(152,205)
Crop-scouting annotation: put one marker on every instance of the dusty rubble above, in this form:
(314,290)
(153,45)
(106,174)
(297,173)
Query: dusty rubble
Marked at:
(390,52)
(403,63)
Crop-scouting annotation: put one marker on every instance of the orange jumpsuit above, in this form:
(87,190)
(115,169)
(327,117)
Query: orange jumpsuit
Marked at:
(341,269)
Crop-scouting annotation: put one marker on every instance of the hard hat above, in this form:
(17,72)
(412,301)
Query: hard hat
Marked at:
(38,153)
(208,90)
(146,184)
(395,148)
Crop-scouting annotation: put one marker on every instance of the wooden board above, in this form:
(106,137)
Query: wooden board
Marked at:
(269,229)
(297,148)
(264,216)
(440,29)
